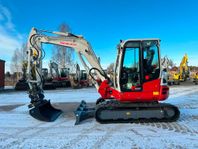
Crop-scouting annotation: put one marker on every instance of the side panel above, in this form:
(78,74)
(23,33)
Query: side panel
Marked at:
(152,91)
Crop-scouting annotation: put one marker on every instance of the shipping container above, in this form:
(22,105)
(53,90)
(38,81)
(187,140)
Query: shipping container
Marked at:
(2,74)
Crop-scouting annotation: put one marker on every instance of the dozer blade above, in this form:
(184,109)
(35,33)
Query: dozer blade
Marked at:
(83,112)
(44,111)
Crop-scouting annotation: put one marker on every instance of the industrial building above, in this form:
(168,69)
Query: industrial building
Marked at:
(2,74)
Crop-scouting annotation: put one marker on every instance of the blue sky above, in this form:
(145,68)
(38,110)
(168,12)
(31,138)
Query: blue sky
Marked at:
(104,22)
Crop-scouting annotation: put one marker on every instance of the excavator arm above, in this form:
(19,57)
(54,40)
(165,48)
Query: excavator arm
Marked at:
(34,67)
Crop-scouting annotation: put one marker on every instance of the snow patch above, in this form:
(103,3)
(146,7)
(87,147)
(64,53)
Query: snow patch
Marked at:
(19,130)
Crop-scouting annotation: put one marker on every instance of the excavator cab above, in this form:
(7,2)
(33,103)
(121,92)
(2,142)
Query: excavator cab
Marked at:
(138,72)
(140,63)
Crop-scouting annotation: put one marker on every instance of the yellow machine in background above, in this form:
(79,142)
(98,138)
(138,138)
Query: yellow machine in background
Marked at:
(184,69)
(184,72)
(173,77)
(176,78)
(181,73)
(172,71)
(195,78)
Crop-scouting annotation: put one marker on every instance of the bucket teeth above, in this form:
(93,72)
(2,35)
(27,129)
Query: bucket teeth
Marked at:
(44,111)
(83,112)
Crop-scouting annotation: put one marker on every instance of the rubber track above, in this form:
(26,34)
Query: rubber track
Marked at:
(117,106)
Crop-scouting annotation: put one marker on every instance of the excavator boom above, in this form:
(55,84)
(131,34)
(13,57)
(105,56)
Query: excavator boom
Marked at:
(41,108)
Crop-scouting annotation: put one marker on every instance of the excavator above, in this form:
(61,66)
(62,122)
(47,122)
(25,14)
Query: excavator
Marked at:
(48,83)
(184,72)
(66,77)
(78,77)
(84,79)
(60,78)
(195,78)
(134,95)
(74,76)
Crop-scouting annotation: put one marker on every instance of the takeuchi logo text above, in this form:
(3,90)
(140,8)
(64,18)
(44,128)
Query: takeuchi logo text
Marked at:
(68,43)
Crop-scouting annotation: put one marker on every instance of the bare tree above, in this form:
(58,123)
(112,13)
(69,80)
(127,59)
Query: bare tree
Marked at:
(61,55)
(110,71)
(18,58)
(171,63)
(15,62)
(110,68)
(23,52)
(7,74)
(167,62)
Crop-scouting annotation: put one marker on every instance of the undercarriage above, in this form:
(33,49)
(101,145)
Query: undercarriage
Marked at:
(112,111)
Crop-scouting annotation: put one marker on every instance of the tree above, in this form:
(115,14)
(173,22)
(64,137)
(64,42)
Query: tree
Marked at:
(15,62)
(110,68)
(7,74)
(110,71)
(63,56)
(171,63)
(18,58)
(167,62)
(23,51)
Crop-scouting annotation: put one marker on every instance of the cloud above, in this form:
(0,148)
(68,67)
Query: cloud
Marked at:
(6,17)
(10,38)
(8,43)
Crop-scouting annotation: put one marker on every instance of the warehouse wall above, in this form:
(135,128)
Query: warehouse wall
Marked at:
(2,74)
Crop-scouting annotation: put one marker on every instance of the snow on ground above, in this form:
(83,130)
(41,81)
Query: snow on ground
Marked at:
(61,95)
(9,87)
(19,130)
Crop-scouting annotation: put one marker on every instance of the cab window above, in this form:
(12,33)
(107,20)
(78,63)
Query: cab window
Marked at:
(130,73)
(151,67)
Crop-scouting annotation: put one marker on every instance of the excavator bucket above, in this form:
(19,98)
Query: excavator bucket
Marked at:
(83,112)
(44,111)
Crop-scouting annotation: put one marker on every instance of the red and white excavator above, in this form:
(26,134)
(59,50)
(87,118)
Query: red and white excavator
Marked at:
(133,95)
(60,77)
